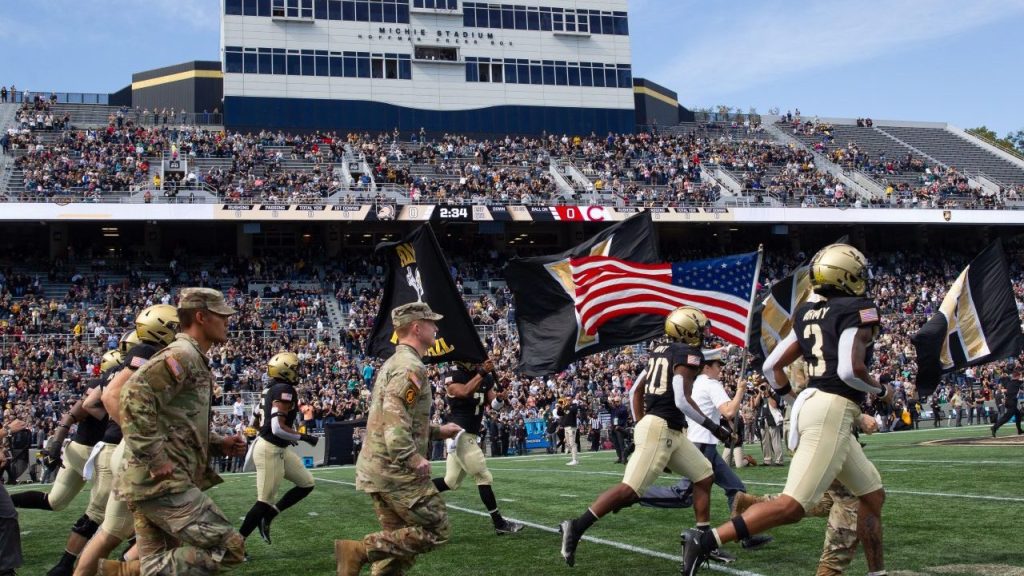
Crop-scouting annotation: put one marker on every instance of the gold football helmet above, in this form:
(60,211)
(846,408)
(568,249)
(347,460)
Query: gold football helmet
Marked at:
(157,324)
(840,267)
(128,341)
(686,324)
(111,359)
(284,366)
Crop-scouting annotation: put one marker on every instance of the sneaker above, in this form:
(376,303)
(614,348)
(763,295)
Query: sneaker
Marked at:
(570,539)
(720,555)
(756,541)
(509,527)
(693,554)
(572,463)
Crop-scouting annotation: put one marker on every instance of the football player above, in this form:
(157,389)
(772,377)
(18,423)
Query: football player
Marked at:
(660,441)
(155,328)
(833,332)
(274,461)
(469,390)
(88,438)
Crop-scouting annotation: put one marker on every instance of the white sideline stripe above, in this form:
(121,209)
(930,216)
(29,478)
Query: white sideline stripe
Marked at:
(612,543)
(776,484)
(963,462)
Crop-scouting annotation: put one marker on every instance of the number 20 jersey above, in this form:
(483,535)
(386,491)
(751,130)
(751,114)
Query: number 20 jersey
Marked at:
(819,325)
(659,398)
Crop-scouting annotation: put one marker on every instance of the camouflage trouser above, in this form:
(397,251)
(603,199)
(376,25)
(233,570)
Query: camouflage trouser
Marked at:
(185,534)
(413,523)
(840,506)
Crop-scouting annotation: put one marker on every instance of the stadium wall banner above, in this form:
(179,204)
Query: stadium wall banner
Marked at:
(536,433)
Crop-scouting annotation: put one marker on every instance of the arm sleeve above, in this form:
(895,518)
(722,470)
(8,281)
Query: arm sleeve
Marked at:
(275,427)
(769,364)
(845,368)
(633,391)
(693,414)
(142,400)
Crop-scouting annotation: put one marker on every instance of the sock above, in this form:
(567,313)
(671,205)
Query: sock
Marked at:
(586,520)
(440,484)
(709,540)
(32,499)
(491,503)
(252,518)
(291,498)
(68,558)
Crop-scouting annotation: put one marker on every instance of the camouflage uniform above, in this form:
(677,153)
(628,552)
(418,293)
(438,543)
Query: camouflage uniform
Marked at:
(410,510)
(840,506)
(165,408)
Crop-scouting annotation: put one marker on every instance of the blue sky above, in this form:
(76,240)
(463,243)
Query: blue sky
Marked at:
(943,60)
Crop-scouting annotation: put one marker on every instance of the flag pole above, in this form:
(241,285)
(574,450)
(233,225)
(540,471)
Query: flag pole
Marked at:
(750,308)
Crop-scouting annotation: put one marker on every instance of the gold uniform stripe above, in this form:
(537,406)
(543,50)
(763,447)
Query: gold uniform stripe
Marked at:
(187,75)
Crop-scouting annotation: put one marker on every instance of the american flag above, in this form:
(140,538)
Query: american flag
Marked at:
(720,287)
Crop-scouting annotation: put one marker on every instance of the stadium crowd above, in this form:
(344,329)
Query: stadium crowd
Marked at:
(52,346)
(58,159)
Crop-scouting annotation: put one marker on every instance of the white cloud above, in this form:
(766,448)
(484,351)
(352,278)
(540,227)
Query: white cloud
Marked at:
(777,40)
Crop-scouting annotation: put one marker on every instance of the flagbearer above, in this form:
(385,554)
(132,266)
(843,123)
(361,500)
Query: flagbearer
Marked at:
(835,334)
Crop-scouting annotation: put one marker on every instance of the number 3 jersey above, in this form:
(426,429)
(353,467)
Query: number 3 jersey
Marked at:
(819,327)
(467,412)
(659,398)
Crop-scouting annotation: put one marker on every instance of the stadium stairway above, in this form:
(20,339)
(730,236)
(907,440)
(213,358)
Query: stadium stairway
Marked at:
(335,317)
(557,171)
(7,112)
(951,146)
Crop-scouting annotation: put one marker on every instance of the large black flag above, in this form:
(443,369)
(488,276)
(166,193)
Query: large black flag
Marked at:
(550,333)
(977,322)
(417,271)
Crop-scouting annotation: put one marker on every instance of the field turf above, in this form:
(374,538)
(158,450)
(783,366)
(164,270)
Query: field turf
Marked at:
(951,510)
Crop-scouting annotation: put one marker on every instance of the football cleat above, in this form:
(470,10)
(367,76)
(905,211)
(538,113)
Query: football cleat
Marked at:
(264,527)
(693,553)
(570,539)
(720,555)
(508,527)
(756,541)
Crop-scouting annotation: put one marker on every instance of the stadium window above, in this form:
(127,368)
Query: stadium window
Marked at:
(320,9)
(376,12)
(249,8)
(402,13)
(625,76)
(468,15)
(472,74)
(496,72)
(233,59)
(595,22)
(294,63)
(233,7)
(263,8)
(391,13)
(607,23)
(520,17)
(350,65)
(337,65)
(610,78)
(582,22)
(494,15)
(511,75)
(363,65)
(561,74)
(574,75)
(404,67)
(348,10)
(621,24)
(391,69)
(536,73)
(362,11)
(323,65)
(549,72)
(377,66)
(523,71)
(308,63)
(250,62)
(307,8)
(278,59)
(277,9)
(545,19)
(570,21)
(266,65)
(334,10)
(598,76)
(532,19)
(508,18)
(586,75)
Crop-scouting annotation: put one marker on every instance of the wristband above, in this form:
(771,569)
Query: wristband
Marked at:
(784,390)
(481,372)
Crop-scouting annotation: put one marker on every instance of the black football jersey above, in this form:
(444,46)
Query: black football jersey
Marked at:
(468,412)
(819,326)
(278,392)
(90,430)
(659,398)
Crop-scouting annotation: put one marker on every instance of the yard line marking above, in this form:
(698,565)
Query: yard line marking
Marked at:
(777,484)
(612,543)
(963,462)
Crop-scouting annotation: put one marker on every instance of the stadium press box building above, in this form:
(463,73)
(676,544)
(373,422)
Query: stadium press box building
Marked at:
(561,66)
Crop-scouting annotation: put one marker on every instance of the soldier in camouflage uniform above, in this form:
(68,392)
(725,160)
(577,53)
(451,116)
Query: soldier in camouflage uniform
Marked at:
(165,416)
(392,466)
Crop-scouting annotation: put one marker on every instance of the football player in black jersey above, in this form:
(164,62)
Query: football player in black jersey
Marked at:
(155,328)
(71,477)
(470,389)
(833,331)
(660,441)
(274,461)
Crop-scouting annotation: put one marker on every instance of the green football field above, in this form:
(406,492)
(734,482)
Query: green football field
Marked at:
(951,510)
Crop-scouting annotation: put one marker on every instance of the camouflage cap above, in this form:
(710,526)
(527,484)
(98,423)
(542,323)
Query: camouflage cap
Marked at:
(407,313)
(204,299)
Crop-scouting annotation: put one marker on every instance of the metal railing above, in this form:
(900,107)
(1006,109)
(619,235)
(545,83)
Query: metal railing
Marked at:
(62,97)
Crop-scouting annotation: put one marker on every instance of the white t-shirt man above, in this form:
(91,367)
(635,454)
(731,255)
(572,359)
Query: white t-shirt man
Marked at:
(709,394)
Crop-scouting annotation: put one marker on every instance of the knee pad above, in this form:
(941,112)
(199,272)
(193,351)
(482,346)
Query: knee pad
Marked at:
(85,527)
